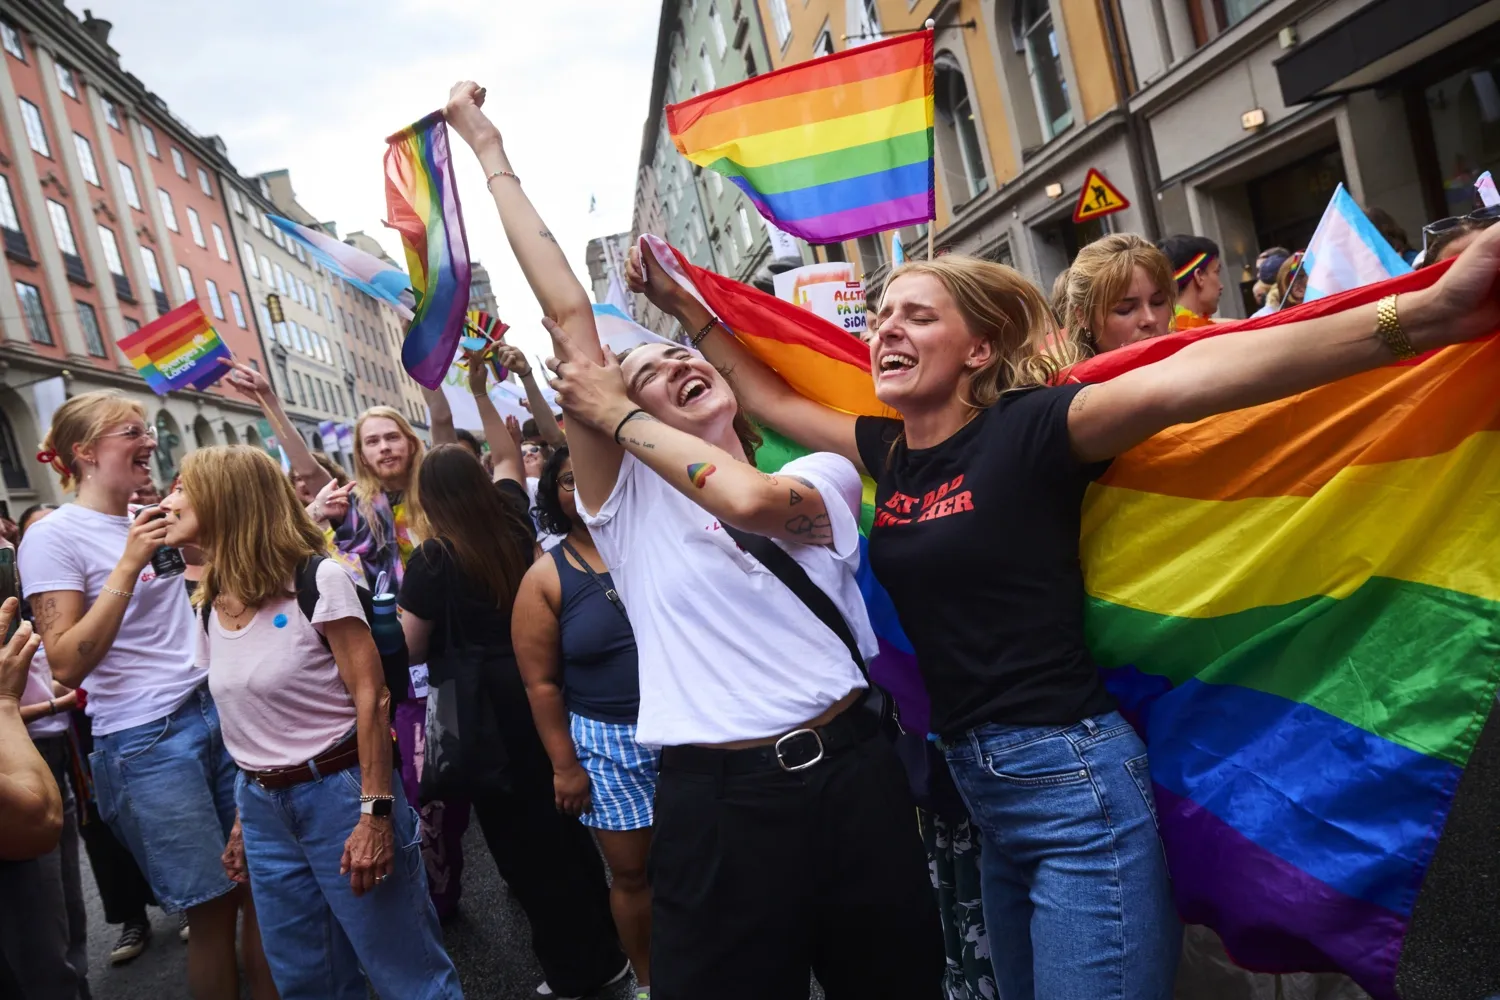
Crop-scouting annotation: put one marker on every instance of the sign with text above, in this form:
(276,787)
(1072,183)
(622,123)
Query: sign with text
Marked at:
(830,290)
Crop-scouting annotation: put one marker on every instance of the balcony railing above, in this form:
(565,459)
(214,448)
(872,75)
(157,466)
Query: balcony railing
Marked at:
(162,305)
(16,245)
(122,287)
(73,266)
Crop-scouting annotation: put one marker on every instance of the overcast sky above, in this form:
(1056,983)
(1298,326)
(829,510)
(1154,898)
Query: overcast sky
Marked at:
(315,86)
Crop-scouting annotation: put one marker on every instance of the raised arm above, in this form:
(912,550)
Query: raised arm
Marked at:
(763,393)
(30,800)
(541,410)
(258,388)
(503,448)
(441,415)
(534,633)
(596,457)
(1236,370)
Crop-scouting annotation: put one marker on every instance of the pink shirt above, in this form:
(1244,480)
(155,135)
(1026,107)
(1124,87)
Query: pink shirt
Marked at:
(281,700)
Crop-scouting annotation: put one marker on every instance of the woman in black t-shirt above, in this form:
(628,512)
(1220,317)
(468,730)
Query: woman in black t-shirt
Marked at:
(457,594)
(978,493)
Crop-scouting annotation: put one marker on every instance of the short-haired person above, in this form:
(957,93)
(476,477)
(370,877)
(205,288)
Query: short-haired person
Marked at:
(785,840)
(164,782)
(1120,290)
(982,483)
(1447,238)
(329,841)
(469,441)
(1196,266)
(577,655)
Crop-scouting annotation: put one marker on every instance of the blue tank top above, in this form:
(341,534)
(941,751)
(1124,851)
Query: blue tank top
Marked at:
(601,679)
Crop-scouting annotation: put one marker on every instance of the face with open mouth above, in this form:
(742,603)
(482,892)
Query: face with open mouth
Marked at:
(121,456)
(921,348)
(182,519)
(679,388)
(385,450)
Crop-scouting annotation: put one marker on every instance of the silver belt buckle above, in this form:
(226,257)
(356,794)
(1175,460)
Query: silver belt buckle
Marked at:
(781,755)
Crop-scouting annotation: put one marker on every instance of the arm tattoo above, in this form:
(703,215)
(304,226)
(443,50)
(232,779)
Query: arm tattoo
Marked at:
(46,616)
(546,234)
(794,498)
(637,415)
(86,647)
(813,530)
(1080,400)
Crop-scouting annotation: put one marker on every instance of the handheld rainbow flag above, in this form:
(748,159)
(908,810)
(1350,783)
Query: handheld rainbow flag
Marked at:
(828,149)
(421,199)
(1293,605)
(179,350)
(481,333)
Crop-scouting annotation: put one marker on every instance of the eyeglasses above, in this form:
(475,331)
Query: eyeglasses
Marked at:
(1483,216)
(133,433)
(531,449)
(566,482)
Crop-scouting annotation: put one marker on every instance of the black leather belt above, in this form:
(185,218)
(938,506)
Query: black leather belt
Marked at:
(798,750)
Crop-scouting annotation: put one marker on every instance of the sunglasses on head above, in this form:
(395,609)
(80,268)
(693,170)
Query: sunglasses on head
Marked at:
(1487,214)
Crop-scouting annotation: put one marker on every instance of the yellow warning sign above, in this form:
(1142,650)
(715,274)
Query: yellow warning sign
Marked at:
(1098,198)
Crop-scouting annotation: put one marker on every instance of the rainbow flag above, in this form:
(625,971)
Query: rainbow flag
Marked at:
(828,149)
(421,199)
(1297,605)
(178,350)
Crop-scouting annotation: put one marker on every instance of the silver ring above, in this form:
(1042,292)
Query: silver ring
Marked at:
(379,879)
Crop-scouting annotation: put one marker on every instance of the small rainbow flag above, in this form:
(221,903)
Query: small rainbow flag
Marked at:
(828,149)
(481,333)
(179,350)
(421,199)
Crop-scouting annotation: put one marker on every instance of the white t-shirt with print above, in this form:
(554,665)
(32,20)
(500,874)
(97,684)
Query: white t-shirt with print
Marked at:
(281,699)
(727,652)
(148,672)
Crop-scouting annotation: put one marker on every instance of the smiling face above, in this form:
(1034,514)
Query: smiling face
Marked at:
(120,457)
(386,451)
(923,346)
(182,519)
(1144,311)
(680,389)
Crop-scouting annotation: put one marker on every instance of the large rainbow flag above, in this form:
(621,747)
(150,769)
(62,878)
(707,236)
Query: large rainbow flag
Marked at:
(1297,604)
(421,199)
(829,149)
(178,350)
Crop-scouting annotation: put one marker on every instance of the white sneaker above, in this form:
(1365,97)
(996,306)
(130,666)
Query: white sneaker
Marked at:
(133,940)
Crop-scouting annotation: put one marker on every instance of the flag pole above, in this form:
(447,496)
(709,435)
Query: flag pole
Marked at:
(931,27)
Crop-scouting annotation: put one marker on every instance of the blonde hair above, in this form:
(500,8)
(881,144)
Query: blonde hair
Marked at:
(1059,299)
(1007,311)
(78,423)
(1101,276)
(251,525)
(367,484)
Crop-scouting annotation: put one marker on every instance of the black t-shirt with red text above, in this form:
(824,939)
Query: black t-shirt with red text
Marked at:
(976,540)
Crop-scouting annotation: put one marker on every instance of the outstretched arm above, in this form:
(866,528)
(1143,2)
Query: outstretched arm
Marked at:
(503,448)
(541,410)
(596,457)
(257,387)
(1237,370)
(441,415)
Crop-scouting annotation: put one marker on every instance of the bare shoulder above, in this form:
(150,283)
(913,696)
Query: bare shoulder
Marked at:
(541,582)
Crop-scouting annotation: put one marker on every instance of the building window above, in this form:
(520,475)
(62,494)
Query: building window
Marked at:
(62,227)
(36,316)
(708,67)
(11,38)
(747,233)
(86,160)
(265,268)
(782,20)
(716,25)
(301,392)
(65,80)
(148,263)
(195,226)
(148,137)
(186,277)
(111,115)
(957,137)
(239,310)
(235,202)
(36,132)
(866,24)
(166,209)
(328,307)
(871,252)
(214,302)
(111,251)
(132,325)
(247,254)
(1044,65)
(8,218)
(92,338)
(178,163)
(279,238)
(279,279)
(127,181)
(824,45)
(219,244)
(203,182)
(1211,18)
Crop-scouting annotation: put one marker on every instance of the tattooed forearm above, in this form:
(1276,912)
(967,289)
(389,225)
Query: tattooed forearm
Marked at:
(1080,400)
(624,438)
(546,234)
(47,616)
(86,647)
(813,530)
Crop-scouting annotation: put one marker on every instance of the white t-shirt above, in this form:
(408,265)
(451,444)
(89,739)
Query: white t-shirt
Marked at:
(280,697)
(546,540)
(727,652)
(148,672)
(39,692)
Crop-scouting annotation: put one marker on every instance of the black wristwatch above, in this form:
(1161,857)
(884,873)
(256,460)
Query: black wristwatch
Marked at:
(379,806)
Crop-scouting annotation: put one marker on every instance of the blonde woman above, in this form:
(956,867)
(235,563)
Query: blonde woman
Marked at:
(164,782)
(1119,290)
(329,842)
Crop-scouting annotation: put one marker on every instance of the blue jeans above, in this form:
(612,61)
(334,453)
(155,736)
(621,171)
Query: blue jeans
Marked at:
(317,934)
(1077,901)
(166,789)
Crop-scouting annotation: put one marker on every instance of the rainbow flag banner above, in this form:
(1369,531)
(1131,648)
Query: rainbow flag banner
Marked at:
(178,350)
(421,199)
(828,149)
(1298,606)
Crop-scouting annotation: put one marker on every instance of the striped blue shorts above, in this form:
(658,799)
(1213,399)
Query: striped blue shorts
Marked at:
(622,774)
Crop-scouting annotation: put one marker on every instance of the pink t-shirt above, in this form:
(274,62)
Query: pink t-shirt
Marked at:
(280,697)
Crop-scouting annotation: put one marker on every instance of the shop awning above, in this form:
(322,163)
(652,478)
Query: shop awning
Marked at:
(1376,43)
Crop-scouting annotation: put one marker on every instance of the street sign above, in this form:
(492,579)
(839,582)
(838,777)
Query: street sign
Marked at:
(1098,198)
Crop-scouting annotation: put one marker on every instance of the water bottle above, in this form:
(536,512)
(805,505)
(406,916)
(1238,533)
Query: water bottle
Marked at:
(386,628)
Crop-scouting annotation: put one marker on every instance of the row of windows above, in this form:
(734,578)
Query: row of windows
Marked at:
(211,288)
(35,315)
(311,391)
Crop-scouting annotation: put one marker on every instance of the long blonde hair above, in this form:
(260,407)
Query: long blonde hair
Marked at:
(1007,310)
(251,525)
(78,423)
(1101,275)
(367,484)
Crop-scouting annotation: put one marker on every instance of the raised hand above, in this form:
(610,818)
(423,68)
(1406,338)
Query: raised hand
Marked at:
(514,426)
(249,382)
(331,503)
(644,276)
(15,655)
(1465,302)
(513,358)
(588,391)
(465,115)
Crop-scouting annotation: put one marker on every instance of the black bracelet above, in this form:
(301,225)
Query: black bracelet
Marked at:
(707,328)
(625,420)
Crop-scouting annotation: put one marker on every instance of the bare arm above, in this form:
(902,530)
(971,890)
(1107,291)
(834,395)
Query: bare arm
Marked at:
(535,633)
(30,800)
(418,632)
(504,451)
(541,410)
(441,414)
(59,703)
(257,387)
(369,852)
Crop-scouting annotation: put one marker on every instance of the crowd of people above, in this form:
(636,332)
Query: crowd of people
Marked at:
(271,701)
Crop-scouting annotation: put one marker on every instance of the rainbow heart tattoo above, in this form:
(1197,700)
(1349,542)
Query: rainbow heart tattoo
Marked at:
(699,472)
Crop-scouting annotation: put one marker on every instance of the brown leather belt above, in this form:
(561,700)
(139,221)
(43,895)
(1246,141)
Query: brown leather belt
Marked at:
(339,757)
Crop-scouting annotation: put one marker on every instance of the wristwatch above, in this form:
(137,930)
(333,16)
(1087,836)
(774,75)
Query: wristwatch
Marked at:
(373,806)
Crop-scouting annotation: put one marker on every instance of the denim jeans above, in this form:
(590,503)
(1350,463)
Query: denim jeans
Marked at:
(1077,901)
(317,934)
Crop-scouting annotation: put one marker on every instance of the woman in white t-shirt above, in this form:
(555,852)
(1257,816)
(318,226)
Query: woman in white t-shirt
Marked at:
(785,838)
(163,780)
(330,842)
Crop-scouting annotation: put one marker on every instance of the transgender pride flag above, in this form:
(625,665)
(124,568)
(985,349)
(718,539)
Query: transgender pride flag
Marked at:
(1347,251)
(364,271)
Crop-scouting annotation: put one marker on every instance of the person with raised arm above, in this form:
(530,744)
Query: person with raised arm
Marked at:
(979,488)
(785,840)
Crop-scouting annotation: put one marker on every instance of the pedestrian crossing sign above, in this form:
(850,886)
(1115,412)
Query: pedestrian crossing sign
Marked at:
(1098,198)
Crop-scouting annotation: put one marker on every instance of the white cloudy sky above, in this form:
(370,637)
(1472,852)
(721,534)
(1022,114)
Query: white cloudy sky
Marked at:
(315,86)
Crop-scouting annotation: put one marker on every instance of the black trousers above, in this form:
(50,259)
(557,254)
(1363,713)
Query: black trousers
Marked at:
(759,880)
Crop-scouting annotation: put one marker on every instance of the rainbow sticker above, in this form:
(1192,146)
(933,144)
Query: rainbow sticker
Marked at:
(699,472)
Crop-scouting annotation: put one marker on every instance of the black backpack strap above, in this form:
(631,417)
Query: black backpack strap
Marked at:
(307,590)
(609,592)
